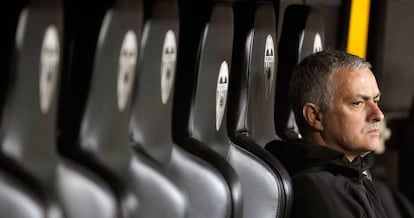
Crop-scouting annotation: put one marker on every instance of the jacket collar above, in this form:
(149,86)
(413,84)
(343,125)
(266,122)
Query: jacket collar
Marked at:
(301,157)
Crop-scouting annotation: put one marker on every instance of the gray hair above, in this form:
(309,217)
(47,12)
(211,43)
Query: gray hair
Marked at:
(312,82)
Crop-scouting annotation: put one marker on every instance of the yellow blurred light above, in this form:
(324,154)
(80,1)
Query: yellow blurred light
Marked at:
(358,27)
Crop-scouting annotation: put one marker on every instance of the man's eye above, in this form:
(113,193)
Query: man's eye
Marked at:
(357,103)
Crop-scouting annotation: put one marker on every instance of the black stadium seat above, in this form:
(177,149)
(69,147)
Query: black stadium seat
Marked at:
(266,184)
(17,198)
(203,67)
(302,34)
(91,43)
(104,59)
(28,124)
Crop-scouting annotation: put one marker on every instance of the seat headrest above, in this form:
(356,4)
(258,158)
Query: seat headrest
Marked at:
(151,123)
(29,115)
(303,33)
(253,77)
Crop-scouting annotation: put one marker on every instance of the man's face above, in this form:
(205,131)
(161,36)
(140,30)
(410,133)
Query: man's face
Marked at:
(352,123)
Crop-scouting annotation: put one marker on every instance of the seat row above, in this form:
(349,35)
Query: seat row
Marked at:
(160,108)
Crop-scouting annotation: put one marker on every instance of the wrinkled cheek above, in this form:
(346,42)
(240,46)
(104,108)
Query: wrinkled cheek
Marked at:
(349,132)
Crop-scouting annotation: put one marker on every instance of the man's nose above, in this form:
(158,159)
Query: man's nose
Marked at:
(376,114)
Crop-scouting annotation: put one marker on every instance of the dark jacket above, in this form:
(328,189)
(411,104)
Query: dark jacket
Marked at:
(396,204)
(326,184)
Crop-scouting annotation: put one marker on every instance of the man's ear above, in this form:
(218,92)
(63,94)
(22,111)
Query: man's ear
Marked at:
(313,115)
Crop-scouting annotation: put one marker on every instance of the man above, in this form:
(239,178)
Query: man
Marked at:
(334,96)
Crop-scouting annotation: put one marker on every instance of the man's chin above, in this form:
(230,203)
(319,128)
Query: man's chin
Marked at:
(375,147)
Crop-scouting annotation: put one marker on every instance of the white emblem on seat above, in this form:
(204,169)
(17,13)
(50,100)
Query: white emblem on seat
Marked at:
(49,66)
(317,43)
(168,62)
(221,93)
(269,60)
(126,68)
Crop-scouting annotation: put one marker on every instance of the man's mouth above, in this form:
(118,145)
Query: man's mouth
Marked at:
(372,129)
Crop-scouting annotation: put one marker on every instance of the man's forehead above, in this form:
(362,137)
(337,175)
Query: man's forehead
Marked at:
(360,82)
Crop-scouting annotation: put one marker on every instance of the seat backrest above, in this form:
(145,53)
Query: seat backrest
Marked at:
(203,71)
(28,131)
(28,119)
(99,136)
(151,117)
(211,54)
(105,120)
(265,182)
(17,198)
(102,46)
(303,33)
